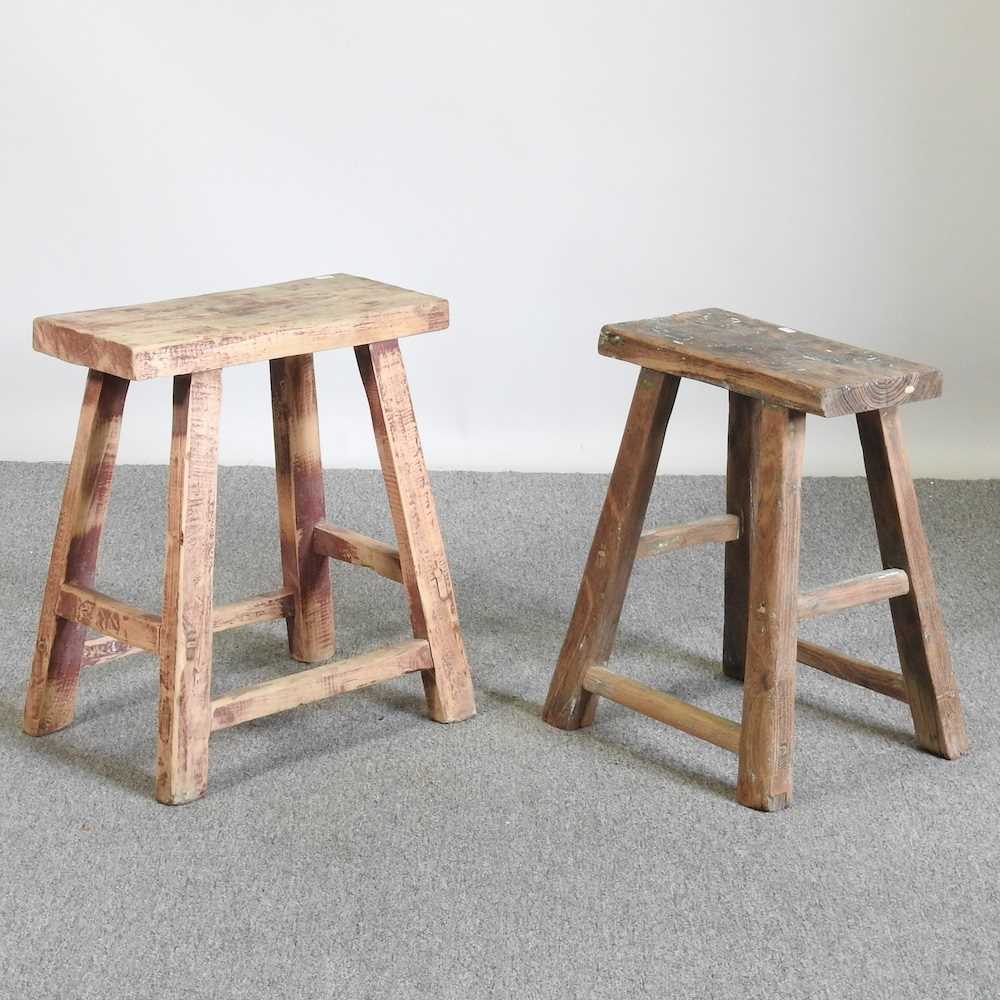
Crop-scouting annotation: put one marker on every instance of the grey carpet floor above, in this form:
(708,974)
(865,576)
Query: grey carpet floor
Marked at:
(353,849)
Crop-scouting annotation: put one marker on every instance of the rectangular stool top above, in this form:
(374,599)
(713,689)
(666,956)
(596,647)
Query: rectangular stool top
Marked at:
(195,334)
(774,363)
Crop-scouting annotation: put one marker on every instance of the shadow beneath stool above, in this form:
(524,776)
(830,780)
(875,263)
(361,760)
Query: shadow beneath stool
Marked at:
(509,699)
(244,652)
(114,767)
(665,650)
(412,703)
(660,764)
(273,744)
(144,674)
(856,723)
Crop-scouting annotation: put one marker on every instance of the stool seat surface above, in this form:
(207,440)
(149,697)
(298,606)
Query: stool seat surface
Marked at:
(775,363)
(205,332)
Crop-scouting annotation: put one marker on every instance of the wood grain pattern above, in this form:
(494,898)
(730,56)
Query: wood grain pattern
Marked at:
(205,332)
(780,365)
(920,637)
(768,722)
(848,668)
(192,340)
(186,637)
(103,649)
(352,547)
(320,682)
(424,566)
(851,593)
(109,616)
(267,607)
(55,670)
(605,580)
(743,412)
(663,707)
(301,506)
(718,528)
(251,610)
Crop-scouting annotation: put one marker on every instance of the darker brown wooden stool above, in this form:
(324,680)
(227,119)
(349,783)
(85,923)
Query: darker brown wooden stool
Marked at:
(775,376)
(192,340)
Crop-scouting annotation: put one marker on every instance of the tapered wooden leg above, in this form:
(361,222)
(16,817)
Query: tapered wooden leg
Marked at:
(743,412)
(185,720)
(768,726)
(424,567)
(599,602)
(301,504)
(916,616)
(55,670)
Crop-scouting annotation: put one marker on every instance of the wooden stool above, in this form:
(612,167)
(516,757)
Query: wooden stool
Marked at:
(193,340)
(774,376)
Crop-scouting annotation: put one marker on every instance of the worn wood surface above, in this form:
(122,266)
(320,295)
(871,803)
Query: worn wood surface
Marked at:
(259,608)
(851,593)
(774,363)
(916,616)
(592,628)
(768,722)
(187,626)
(301,506)
(55,670)
(423,563)
(103,649)
(204,332)
(718,528)
(349,546)
(663,707)
(320,682)
(109,616)
(133,627)
(743,412)
(856,671)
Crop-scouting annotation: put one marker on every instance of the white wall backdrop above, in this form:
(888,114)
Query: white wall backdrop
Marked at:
(546,166)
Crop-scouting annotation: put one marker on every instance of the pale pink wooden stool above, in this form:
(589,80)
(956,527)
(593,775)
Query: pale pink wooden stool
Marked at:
(192,340)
